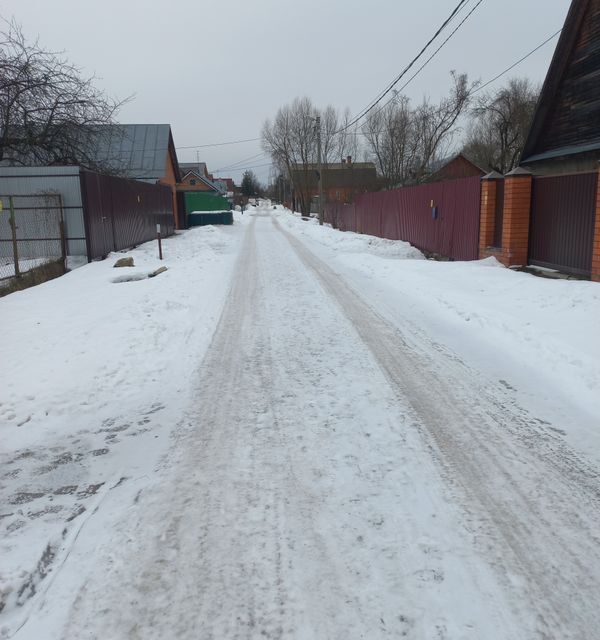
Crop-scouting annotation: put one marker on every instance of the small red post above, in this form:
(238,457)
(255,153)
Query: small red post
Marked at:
(159,241)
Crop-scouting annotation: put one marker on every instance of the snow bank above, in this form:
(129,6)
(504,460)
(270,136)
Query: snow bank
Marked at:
(348,241)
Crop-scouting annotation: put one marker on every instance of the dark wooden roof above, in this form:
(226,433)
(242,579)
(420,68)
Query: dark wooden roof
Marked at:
(354,175)
(567,118)
(455,167)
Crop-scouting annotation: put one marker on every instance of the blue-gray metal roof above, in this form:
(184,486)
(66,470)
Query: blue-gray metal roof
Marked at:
(136,150)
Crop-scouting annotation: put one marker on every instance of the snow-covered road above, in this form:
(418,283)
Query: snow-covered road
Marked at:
(337,473)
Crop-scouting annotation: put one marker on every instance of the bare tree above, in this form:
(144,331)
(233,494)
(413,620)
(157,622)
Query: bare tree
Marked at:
(436,125)
(390,135)
(291,141)
(46,106)
(346,138)
(405,141)
(500,122)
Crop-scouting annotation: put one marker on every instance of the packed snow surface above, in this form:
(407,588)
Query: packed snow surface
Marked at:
(295,432)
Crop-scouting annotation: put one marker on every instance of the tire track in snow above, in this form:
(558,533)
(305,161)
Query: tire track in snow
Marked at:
(535,507)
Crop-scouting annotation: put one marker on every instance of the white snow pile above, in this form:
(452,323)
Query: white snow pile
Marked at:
(348,241)
(95,370)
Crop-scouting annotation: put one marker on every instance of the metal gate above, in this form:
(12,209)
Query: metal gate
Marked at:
(561,230)
(31,233)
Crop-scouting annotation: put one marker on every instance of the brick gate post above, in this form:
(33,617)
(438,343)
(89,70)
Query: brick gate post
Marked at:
(517,209)
(487,212)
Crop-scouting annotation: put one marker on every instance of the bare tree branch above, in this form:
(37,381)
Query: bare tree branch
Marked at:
(47,108)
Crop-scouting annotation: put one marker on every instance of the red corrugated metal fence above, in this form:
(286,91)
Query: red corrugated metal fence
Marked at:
(121,213)
(407,214)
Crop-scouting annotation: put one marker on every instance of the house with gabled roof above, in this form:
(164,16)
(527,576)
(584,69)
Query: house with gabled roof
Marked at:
(565,133)
(454,167)
(199,167)
(547,211)
(194,180)
(143,152)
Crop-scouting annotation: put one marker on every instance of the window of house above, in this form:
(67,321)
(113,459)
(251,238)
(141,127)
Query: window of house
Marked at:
(192,181)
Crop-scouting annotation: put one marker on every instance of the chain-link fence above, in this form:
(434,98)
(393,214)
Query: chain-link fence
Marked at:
(32,238)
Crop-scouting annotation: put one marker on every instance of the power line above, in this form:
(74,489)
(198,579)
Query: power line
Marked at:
(512,66)
(233,166)
(431,57)
(375,102)
(218,144)
(396,80)
(252,166)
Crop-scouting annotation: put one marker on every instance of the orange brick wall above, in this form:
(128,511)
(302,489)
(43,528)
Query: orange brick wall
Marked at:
(170,180)
(487,216)
(596,246)
(515,227)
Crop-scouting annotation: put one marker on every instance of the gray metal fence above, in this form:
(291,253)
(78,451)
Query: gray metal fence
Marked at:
(31,234)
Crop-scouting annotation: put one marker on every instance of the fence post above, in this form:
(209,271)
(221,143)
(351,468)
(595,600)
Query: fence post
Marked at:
(517,210)
(13,227)
(487,212)
(63,235)
(595,275)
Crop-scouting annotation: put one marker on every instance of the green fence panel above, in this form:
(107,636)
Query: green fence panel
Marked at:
(204,201)
(202,218)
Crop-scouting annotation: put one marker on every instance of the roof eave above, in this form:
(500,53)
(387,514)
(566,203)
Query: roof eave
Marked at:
(562,152)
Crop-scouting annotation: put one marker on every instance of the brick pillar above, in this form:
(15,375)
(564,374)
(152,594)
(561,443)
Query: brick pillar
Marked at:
(487,212)
(517,208)
(596,246)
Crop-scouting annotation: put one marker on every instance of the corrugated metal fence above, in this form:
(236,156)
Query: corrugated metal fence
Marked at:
(122,213)
(563,210)
(441,218)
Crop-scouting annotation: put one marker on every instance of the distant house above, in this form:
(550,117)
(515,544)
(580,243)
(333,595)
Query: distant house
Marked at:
(193,180)
(342,181)
(199,168)
(455,168)
(197,191)
(565,133)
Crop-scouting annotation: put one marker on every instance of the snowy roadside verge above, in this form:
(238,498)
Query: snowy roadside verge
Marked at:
(95,378)
(535,335)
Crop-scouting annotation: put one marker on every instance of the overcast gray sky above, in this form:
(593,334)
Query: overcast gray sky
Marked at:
(216,70)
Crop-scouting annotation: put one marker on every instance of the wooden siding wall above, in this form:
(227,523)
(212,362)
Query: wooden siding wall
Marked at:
(575,118)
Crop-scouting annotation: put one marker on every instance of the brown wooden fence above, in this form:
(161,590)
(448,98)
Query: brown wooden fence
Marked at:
(440,218)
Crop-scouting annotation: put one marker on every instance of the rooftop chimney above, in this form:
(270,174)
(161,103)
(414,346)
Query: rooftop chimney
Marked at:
(349,160)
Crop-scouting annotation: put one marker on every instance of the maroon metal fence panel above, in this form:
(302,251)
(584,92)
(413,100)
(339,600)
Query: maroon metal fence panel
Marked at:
(441,218)
(561,231)
(121,213)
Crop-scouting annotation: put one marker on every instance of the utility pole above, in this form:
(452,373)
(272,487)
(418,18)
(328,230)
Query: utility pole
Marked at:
(320,161)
